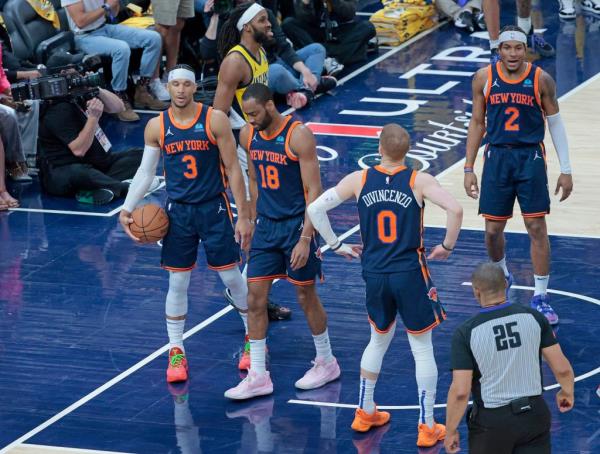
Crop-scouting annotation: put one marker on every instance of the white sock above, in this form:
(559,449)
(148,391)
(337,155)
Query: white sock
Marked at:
(258,362)
(541,284)
(524,23)
(236,283)
(322,346)
(494,44)
(176,305)
(365,396)
(426,373)
(502,264)
(175,330)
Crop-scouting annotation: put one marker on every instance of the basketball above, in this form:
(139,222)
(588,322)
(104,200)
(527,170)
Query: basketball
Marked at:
(150,223)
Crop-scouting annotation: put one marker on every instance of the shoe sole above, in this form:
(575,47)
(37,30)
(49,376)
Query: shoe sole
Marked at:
(262,393)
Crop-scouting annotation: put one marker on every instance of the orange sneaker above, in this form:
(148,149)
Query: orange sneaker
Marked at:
(244,363)
(364,421)
(429,436)
(178,367)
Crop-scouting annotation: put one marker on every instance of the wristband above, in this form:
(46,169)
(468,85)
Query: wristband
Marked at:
(468,169)
(447,248)
(335,248)
(306,237)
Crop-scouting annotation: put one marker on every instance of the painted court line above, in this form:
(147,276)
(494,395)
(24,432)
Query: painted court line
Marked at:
(42,449)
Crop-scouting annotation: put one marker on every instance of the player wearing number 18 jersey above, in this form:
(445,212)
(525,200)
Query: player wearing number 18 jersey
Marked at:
(198,152)
(390,200)
(511,101)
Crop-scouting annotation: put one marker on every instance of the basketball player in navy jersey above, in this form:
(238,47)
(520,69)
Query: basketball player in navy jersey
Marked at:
(284,177)
(391,202)
(198,151)
(511,100)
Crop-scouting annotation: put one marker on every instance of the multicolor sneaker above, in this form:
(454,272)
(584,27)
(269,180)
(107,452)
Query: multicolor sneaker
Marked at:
(364,421)
(541,303)
(244,363)
(320,374)
(539,45)
(178,366)
(253,385)
(429,436)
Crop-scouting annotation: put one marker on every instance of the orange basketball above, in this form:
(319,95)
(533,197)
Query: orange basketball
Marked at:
(150,223)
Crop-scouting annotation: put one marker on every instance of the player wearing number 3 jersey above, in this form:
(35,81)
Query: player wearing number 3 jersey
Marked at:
(198,151)
(391,201)
(511,101)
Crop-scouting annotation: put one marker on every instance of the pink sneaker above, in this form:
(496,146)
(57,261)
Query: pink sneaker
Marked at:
(253,385)
(320,374)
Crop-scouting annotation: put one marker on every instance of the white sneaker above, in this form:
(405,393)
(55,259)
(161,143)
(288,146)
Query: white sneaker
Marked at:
(159,91)
(566,9)
(320,374)
(332,66)
(591,6)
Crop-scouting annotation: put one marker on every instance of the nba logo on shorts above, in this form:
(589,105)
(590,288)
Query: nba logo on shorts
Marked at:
(432,294)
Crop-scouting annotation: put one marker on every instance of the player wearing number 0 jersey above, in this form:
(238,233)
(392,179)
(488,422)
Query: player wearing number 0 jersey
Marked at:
(511,101)
(284,176)
(391,200)
(198,151)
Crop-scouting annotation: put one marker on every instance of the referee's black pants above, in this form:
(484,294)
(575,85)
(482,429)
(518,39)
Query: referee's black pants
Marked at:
(500,431)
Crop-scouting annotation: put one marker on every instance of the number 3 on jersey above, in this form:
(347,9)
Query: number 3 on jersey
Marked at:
(511,123)
(192,168)
(387,226)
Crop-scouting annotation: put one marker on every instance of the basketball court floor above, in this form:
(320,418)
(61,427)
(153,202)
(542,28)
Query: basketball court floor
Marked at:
(82,331)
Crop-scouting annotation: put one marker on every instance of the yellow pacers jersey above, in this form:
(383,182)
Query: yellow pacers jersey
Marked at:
(259,69)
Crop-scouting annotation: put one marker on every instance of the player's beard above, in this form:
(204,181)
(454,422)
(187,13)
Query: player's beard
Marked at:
(260,37)
(265,123)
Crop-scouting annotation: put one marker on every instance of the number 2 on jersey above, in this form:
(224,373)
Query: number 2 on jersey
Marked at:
(387,224)
(269,176)
(511,123)
(192,168)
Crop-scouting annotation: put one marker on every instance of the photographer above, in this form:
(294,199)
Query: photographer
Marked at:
(332,23)
(75,154)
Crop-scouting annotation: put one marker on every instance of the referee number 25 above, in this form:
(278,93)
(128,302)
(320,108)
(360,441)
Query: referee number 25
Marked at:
(505,336)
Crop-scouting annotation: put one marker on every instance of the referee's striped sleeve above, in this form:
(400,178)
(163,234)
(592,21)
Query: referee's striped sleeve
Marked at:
(461,357)
(547,336)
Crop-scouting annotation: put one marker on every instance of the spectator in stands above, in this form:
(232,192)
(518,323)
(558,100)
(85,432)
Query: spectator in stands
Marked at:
(94,34)
(297,75)
(75,154)
(467,17)
(6,200)
(170,16)
(332,23)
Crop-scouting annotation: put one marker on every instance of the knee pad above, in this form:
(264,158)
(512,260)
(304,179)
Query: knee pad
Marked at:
(233,280)
(177,299)
(378,345)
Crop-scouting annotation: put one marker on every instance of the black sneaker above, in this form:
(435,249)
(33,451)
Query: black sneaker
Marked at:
(479,22)
(275,311)
(539,45)
(95,197)
(464,21)
(327,83)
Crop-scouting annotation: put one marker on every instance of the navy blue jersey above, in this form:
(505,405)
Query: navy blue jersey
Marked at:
(280,187)
(192,163)
(391,221)
(514,109)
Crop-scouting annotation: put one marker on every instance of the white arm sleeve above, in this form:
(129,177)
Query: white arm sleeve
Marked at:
(317,211)
(143,178)
(559,138)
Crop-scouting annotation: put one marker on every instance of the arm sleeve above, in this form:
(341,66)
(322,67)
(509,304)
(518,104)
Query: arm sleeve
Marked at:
(143,178)
(547,338)
(317,211)
(461,357)
(559,139)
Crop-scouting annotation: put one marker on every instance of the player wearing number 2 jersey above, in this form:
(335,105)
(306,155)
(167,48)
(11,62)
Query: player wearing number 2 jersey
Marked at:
(198,151)
(391,200)
(284,177)
(511,101)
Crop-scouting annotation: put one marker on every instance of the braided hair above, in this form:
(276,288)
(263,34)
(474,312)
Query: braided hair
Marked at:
(230,36)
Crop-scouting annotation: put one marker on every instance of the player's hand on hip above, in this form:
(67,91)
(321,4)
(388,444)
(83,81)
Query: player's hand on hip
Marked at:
(471,187)
(243,234)
(439,253)
(125,219)
(565,181)
(452,442)
(564,401)
(300,254)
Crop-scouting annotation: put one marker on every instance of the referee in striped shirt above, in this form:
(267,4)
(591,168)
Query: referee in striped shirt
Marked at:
(497,355)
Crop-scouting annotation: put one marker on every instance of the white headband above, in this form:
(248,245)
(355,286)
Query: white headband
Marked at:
(248,15)
(513,35)
(182,73)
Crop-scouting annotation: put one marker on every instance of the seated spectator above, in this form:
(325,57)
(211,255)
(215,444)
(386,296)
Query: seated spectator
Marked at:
(467,17)
(297,75)
(95,35)
(6,200)
(76,157)
(9,129)
(170,16)
(332,23)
